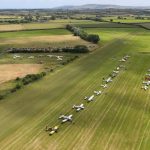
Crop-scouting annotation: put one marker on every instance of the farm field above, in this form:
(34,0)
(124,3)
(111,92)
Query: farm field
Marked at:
(47,25)
(118,119)
(127,20)
(147,25)
(17,70)
(39,38)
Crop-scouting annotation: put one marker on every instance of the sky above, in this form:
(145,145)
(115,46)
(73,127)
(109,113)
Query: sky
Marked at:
(54,3)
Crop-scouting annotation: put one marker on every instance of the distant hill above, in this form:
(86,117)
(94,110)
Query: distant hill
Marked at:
(98,6)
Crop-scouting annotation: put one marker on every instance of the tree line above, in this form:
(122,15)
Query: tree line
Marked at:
(75,49)
(94,38)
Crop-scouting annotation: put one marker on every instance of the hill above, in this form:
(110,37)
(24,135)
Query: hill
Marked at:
(99,6)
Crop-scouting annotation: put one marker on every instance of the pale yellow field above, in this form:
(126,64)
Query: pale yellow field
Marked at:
(49,39)
(12,71)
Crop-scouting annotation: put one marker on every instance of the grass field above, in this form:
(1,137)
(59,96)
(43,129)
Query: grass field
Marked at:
(47,25)
(127,20)
(39,38)
(116,120)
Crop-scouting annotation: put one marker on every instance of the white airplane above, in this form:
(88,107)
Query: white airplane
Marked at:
(66,118)
(59,57)
(16,56)
(31,57)
(121,66)
(50,56)
(115,71)
(108,80)
(145,87)
(78,108)
(104,85)
(122,60)
(52,130)
(148,74)
(89,99)
(118,68)
(127,56)
(146,82)
(113,75)
(97,92)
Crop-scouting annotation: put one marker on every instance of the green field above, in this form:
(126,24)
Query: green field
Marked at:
(34,33)
(118,119)
(126,20)
(47,25)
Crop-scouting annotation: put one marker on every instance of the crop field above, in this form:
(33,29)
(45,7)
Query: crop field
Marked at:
(116,120)
(105,25)
(39,38)
(47,25)
(126,19)
(12,71)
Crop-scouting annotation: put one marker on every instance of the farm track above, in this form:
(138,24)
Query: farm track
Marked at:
(118,119)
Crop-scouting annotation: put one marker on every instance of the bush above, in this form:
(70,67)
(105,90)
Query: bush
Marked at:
(1,97)
(94,38)
(18,86)
(81,49)
(32,77)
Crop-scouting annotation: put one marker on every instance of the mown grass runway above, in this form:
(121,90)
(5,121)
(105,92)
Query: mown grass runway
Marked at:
(116,120)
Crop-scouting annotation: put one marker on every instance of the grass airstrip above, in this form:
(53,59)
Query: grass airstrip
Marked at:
(116,120)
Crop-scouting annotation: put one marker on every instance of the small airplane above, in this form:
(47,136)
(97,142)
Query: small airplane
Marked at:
(104,85)
(121,66)
(50,56)
(78,108)
(122,60)
(146,82)
(52,130)
(31,57)
(89,99)
(115,71)
(66,118)
(59,57)
(108,80)
(113,75)
(41,55)
(97,92)
(145,87)
(148,74)
(127,56)
(118,68)
(16,56)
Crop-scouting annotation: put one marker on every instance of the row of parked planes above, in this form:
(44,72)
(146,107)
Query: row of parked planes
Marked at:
(147,80)
(69,118)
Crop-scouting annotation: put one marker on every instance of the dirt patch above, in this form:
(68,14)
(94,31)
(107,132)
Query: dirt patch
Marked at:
(12,71)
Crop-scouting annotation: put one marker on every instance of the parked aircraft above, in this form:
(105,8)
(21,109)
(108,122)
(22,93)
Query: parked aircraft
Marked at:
(145,87)
(97,92)
(104,85)
(52,130)
(78,108)
(89,99)
(108,80)
(146,82)
(66,118)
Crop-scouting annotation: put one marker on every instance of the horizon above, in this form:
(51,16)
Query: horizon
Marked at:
(49,4)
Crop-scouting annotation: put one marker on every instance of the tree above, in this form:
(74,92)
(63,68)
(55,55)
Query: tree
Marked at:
(93,38)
